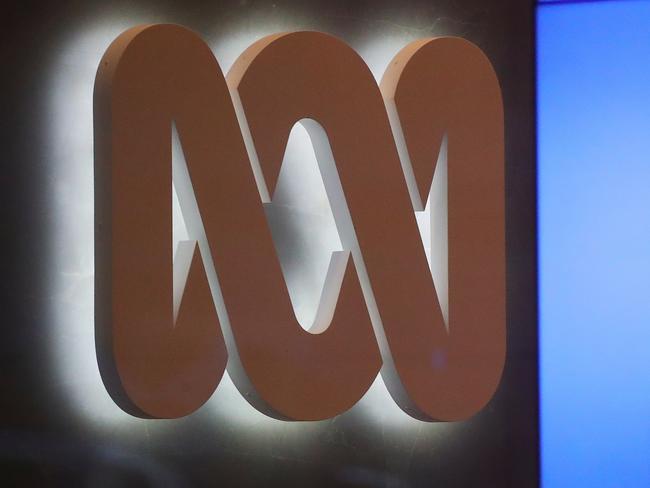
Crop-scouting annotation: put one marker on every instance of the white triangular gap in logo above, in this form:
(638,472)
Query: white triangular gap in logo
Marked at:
(432,222)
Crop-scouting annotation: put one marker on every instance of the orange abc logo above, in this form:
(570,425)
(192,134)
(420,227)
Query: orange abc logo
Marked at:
(168,326)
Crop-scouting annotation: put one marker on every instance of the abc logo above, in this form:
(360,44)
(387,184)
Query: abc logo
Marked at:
(168,326)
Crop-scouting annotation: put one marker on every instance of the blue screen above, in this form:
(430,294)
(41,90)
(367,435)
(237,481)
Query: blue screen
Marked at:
(594,242)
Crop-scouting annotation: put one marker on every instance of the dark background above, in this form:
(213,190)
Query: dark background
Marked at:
(49,438)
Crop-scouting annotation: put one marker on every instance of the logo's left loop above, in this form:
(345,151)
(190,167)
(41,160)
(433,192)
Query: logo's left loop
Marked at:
(155,361)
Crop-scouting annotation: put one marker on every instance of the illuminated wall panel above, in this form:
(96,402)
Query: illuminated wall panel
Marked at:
(594,243)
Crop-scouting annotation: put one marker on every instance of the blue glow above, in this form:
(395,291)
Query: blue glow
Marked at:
(594,243)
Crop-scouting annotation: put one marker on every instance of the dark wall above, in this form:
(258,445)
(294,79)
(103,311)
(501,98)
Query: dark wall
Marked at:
(58,425)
